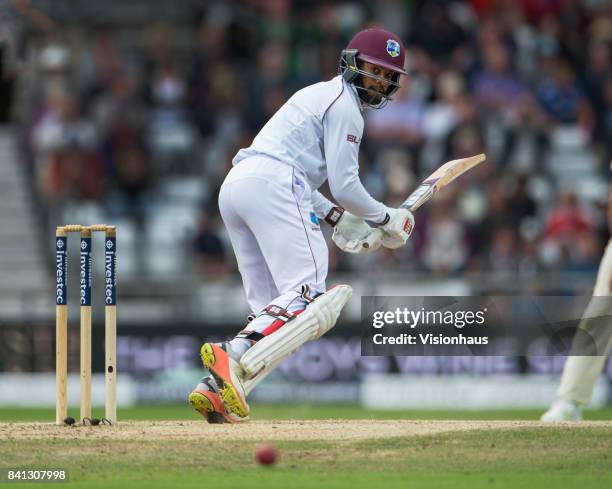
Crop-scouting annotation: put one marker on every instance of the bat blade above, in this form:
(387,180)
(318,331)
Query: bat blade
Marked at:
(439,179)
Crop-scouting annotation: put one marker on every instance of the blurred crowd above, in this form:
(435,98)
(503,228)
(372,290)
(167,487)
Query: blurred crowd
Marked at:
(113,115)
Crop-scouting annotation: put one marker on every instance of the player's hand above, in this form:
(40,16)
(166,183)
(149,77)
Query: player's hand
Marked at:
(398,228)
(392,242)
(353,235)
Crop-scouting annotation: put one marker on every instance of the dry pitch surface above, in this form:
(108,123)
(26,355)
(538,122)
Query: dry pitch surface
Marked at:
(294,430)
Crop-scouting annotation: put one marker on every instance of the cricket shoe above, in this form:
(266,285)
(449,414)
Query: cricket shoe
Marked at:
(226,372)
(205,399)
(561,410)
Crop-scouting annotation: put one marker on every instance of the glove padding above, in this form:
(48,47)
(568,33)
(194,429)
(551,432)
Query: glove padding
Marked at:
(353,235)
(398,229)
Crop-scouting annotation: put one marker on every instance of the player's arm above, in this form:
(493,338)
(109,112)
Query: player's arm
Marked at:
(351,233)
(325,209)
(341,138)
(342,135)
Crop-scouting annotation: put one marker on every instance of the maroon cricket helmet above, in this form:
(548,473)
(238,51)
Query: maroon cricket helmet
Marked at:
(380,47)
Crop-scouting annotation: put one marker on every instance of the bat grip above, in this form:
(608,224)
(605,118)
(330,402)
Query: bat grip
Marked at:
(378,235)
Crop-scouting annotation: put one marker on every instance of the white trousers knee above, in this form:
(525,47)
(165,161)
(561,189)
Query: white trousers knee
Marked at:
(267,209)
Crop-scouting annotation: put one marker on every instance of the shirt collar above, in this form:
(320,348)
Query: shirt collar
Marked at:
(353,91)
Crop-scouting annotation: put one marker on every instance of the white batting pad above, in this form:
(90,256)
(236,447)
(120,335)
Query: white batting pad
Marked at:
(253,382)
(318,318)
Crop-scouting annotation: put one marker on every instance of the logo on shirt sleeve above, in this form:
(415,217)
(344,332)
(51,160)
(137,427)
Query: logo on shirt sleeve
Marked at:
(351,138)
(314,222)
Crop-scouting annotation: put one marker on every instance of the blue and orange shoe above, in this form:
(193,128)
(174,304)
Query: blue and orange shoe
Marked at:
(205,400)
(225,371)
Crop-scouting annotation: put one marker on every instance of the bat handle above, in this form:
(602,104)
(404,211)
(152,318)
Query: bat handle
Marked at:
(377,236)
(378,232)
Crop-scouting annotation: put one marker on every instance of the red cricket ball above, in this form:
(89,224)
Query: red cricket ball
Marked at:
(266,454)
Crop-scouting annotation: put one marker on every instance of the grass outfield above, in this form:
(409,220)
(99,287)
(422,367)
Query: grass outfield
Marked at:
(173,448)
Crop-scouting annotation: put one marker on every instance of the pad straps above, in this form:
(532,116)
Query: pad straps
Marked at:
(281,317)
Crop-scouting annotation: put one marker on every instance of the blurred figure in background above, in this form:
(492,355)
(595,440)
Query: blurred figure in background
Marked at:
(445,249)
(400,126)
(209,251)
(565,224)
(581,372)
(63,144)
(500,96)
(561,98)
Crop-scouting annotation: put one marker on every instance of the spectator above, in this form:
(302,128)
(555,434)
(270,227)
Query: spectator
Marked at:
(567,220)
(400,124)
(437,32)
(445,246)
(267,85)
(497,87)
(209,251)
(562,99)
(61,139)
(503,252)
(73,173)
(131,179)
(449,108)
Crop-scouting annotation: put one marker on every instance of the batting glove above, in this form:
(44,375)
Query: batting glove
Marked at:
(353,235)
(397,228)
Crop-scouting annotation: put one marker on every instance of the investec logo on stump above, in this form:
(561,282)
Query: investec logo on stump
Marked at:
(109,275)
(85,272)
(60,278)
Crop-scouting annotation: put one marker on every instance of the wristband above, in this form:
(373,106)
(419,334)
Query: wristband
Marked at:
(381,223)
(334,215)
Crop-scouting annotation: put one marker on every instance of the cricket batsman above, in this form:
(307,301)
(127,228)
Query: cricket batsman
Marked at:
(581,372)
(272,209)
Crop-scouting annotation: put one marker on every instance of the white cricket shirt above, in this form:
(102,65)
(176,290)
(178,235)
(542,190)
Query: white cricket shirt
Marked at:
(318,132)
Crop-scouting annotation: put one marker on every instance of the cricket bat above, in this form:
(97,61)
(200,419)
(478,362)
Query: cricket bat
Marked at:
(439,179)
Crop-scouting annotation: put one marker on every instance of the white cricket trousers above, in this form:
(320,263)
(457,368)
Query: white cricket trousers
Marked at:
(581,373)
(267,209)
